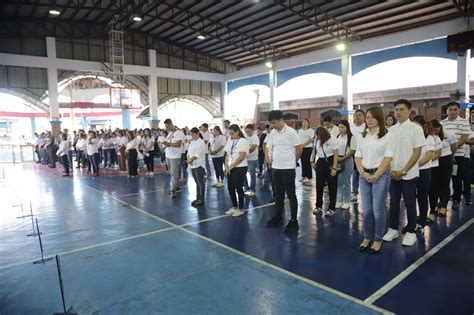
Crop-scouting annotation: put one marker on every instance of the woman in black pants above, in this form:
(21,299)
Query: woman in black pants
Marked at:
(132,152)
(216,149)
(441,176)
(236,166)
(327,150)
(148,145)
(306,135)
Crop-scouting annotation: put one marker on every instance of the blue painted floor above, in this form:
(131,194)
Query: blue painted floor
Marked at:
(127,248)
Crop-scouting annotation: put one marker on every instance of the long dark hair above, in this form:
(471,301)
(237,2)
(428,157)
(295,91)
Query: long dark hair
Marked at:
(427,130)
(378,115)
(393,118)
(236,128)
(131,135)
(196,132)
(346,124)
(218,129)
(435,124)
(323,135)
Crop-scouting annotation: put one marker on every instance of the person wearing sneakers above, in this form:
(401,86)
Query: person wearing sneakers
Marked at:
(347,147)
(206,135)
(306,135)
(357,129)
(373,156)
(327,150)
(63,153)
(284,149)
(148,145)
(216,150)
(424,181)
(407,139)
(252,160)
(236,166)
(173,145)
(196,160)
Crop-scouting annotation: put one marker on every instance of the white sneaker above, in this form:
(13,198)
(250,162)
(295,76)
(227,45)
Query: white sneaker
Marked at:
(151,174)
(250,193)
(409,239)
(302,180)
(338,205)
(231,211)
(391,235)
(215,184)
(220,185)
(346,206)
(238,213)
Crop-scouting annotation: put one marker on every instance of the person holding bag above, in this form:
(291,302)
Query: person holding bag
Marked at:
(347,148)
(326,148)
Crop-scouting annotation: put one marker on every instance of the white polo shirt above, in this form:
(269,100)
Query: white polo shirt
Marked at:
(438,145)
(197,148)
(467,147)
(206,135)
(306,134)
(253,140)
(92,148)
(406,137)
(327,149)
(372,149)
(216,142)
(281,147)
(459,127)
(357,130)
(174,137)
(449,139)
(342,144)
(429,146)
(334,131)
(234,147)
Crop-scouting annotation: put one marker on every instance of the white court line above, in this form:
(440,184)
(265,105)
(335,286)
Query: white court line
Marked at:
(16,264)
(405,273)
(139,193)
(262,262)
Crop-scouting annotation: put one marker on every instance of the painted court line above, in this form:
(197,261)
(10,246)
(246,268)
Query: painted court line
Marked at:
(140,193)
(262,262)
(17,264)
(405,273)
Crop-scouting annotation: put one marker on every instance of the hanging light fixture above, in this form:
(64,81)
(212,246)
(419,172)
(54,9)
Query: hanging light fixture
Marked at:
(54,12)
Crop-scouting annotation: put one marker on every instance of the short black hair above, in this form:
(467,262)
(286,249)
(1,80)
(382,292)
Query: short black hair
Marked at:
(250,126)
(168,121)
(361,111)
(327,119)
(454,104)
(402,101)
(226,121)
(205,125)
(275,115)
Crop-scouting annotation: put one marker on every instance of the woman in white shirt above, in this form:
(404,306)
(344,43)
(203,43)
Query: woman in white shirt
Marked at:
(439,193)
(132,153)
(347,145)
(373,156)
(121,146)
(236,167)
(63,153)
(183,166)
(148,147)
(216,150)
(433,199)
(306,135)
(423,183)
(326,148)
(93,153)
(196,159)
(81,150)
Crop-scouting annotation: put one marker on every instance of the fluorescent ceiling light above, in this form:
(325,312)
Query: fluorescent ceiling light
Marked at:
(341,46)
(201,37)
(136,18)
(54,12)
(269,64)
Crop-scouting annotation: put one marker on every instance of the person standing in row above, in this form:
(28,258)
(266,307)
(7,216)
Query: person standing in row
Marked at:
(206,135)
(93,152)
(330,127)
(441,176)
(148,145)
(434,171)
(183,165)
(357,129)
(121,146)
(216,149)
(284,149)
(373,156)
(237,149)
(407,140)
(81,147)
(460,127)
(326,149)
(173,145)
(261,154)
(466,178)
(162,138)
(424,181)
(131,150)
(63,153)
(195,158)
(347,147)
(225,128)
(306,136)
(252,160)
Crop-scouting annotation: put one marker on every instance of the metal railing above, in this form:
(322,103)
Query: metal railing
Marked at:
(11,153)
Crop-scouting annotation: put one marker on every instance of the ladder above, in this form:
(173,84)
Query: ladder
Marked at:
(117,60)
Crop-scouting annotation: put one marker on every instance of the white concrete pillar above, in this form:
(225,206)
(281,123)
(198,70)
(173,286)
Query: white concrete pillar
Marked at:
(274,104)
(52,73)
(153,90)
(346,65)
(463,75)
(223,98)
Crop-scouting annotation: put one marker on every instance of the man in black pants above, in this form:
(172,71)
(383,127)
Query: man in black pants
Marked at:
(284,150)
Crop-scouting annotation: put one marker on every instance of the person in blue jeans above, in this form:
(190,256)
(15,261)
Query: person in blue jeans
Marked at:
(373,156)
(347,148)
(252,160)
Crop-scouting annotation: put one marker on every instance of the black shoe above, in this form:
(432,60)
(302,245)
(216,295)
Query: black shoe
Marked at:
(292,226)
(330,212)
(405,229)
(275,221)
(198,202)
(174,194)
(467,202)
(455,205)
(420,229)
(271,201)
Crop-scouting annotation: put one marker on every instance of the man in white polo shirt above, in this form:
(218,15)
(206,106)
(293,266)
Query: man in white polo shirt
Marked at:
(206,136)
(357,129)
(329,125)
(252,159)
(284,150)
(173,143)
(460,127)
(407,141)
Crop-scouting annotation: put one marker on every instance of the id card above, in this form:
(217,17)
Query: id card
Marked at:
(455,170)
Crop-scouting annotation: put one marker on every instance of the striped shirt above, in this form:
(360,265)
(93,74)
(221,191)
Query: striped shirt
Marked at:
(459,127)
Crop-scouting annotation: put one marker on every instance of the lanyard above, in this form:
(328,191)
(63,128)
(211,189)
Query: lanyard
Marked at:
(234,144)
